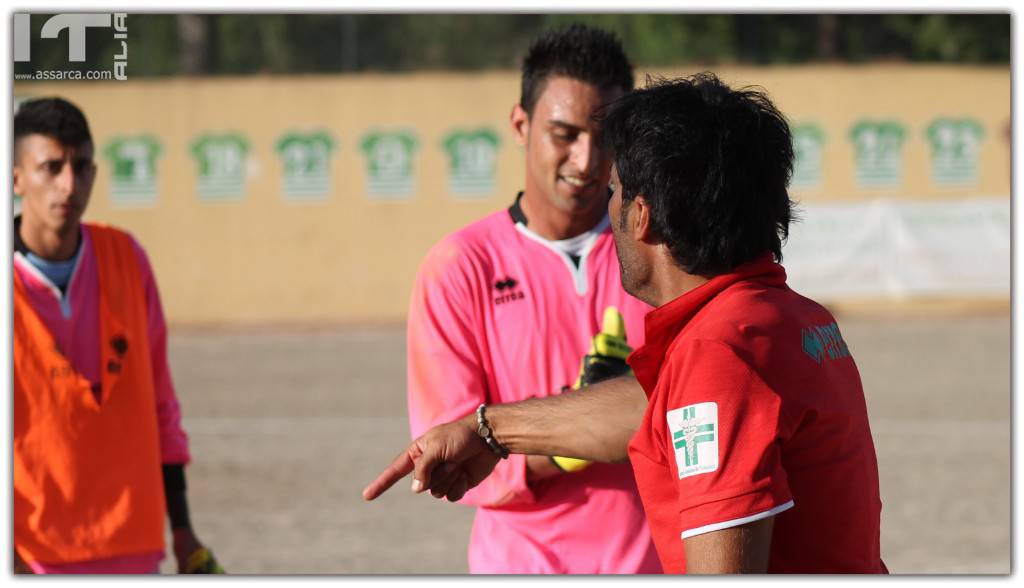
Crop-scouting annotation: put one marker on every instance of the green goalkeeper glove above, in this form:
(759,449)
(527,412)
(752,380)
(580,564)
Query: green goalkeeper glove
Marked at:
(608,352)
(607,359)
(202,562)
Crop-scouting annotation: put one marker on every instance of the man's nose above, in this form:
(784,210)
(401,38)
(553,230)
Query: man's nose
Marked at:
(585,155)
(67,179)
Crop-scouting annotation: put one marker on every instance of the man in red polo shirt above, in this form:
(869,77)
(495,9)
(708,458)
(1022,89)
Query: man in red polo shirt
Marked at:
(745,424)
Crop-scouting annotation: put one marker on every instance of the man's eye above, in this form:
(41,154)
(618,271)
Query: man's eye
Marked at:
(83,166)
(565,137)
(54,167)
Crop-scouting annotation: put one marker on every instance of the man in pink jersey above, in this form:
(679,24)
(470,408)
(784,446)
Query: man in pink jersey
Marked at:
(745,424)
(60,516)
(508,305)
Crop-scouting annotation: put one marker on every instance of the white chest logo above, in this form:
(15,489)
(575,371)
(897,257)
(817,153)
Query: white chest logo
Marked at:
(694,431)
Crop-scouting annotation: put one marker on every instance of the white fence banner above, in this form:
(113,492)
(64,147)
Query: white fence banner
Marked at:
(898,249)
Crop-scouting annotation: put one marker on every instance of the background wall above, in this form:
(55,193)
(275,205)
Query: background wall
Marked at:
(307,199)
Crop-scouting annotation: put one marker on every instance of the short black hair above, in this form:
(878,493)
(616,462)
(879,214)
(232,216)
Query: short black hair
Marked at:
(580,52)
(713,163)
(53,117)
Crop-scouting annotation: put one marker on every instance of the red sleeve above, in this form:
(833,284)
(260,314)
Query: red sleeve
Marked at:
(447,364)
(173,439)
(724,436)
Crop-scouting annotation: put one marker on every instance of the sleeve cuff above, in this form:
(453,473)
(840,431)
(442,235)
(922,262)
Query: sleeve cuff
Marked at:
(736,522)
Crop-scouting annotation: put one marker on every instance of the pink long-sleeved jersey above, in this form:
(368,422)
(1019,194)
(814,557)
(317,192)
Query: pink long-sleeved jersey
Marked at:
(74,322)
(499,314)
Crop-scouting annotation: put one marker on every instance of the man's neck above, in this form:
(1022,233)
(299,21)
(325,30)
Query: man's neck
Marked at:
(678,285)
(555,225)
(668,281)
(48,244)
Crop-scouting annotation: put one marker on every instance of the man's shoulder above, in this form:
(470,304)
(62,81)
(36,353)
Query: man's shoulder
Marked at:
(102,234)
(95,226)
(468,252)
(755,326)
(96,229)
(757,304)
(493,227)
(472,244)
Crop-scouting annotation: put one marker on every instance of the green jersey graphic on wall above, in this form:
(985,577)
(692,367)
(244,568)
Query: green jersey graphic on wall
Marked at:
(389,162)
(306,164)
(955,145)
(221,165)
(878,147)
(133,169)
(808,148)
(472,160)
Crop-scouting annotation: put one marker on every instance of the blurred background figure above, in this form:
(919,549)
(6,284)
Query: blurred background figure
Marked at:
(95,412)
(288,173)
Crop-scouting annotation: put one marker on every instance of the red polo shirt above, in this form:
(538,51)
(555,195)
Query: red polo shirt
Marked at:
(756,409)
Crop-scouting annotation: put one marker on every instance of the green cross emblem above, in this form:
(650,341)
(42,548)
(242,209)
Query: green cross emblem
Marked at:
(691,436)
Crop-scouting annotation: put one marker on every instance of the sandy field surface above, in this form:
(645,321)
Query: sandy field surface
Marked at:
(287,426)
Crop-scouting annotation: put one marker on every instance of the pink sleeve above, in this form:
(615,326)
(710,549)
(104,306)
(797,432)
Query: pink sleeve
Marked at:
(447,369)
(173,440)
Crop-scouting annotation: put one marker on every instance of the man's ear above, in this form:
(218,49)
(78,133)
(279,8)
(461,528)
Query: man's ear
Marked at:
(641,223)
(16,181)
(520,121)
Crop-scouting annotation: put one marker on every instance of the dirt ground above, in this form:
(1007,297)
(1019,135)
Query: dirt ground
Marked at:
(287,426)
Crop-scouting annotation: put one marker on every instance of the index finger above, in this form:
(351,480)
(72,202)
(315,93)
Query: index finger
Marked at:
(398,469)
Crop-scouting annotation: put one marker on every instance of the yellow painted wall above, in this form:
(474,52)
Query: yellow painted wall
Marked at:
(265,259)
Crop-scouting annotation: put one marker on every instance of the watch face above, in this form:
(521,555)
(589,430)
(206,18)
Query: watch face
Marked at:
(483,431)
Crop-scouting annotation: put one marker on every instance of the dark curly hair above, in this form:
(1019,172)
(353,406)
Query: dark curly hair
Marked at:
(713,163)
(52,117)
(580,52)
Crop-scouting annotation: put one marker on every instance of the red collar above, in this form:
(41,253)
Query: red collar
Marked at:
(663,324)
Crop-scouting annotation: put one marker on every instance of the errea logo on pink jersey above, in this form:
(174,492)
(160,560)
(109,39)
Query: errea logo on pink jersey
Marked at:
(508,291)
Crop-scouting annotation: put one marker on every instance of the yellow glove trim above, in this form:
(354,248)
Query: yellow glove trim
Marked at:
(610,342)
(571,464)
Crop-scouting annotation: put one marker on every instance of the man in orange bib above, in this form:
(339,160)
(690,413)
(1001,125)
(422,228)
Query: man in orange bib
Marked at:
(99,452)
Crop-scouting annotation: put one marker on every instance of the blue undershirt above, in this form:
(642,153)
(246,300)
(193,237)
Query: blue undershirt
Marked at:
(58,272)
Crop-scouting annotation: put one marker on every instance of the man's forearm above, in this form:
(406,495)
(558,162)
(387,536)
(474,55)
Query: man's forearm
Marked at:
(174,495)
(595,422)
